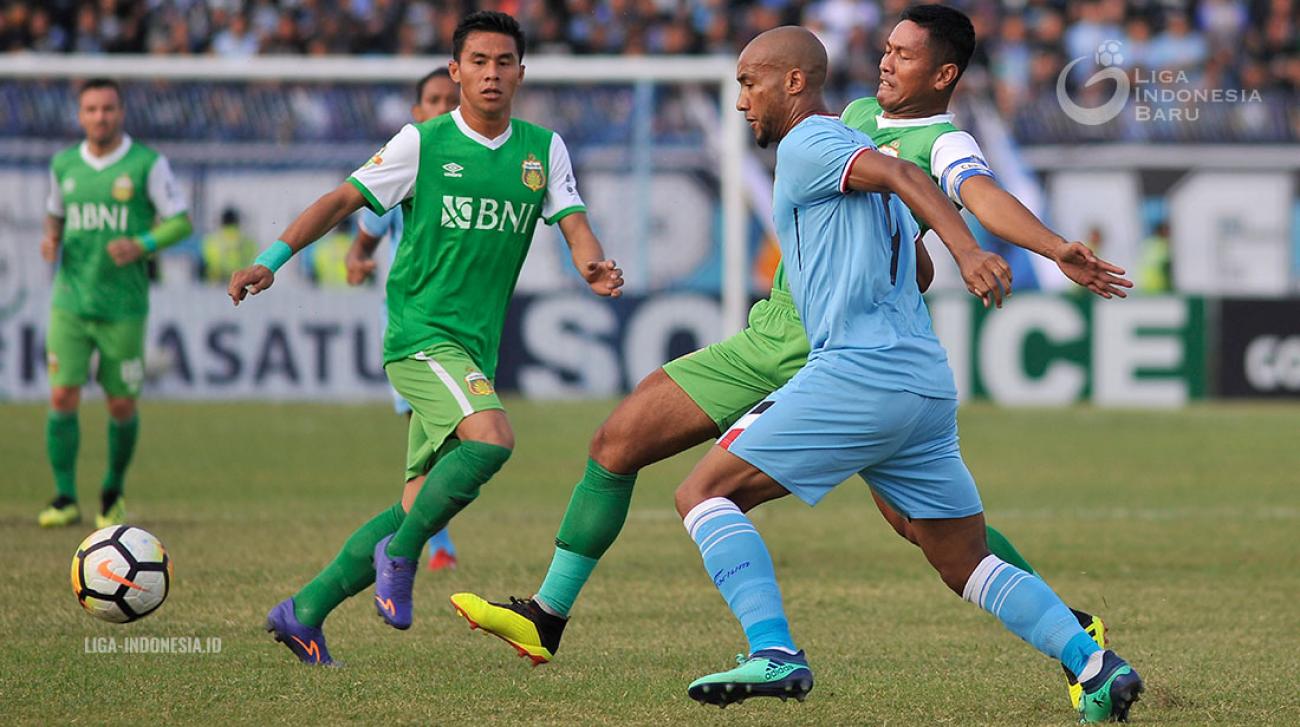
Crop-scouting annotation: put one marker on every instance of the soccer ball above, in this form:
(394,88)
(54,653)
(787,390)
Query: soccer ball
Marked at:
(1108,54)
(121,573)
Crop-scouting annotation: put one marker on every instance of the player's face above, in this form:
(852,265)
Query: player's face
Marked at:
(760,100)
(100,115)
(438,96)
(488,72)
(907,70)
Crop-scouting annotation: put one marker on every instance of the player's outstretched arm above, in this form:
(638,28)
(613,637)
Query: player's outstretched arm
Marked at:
(986,274)
(321,217)
(360,260)
(604,276)
(1003,215)
(52,238)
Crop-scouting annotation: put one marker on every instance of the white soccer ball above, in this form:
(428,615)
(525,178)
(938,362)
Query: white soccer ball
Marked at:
(121,573)
(1109,54)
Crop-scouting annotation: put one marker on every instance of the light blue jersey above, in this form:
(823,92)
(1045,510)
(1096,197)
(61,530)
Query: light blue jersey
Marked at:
(389,224)
(850,260)
(876,397)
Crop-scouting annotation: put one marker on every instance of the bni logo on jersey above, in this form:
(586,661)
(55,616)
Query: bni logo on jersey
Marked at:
(470,213)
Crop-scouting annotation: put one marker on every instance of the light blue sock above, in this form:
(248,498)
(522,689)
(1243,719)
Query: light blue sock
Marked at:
(442,540)
(1027,606)
(737,561)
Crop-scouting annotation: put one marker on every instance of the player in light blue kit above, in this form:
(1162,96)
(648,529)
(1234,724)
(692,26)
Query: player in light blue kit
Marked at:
(876,397)
(435,95)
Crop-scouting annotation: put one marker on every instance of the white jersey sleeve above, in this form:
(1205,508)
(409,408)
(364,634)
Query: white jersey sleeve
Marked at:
(954,158)
(389,177)
(562,197)
(164,193)
(54,200)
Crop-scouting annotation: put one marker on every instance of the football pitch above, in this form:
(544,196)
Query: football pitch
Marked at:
(1181,529)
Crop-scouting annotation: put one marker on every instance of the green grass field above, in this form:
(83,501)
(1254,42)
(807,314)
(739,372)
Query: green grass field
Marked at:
(1182,529)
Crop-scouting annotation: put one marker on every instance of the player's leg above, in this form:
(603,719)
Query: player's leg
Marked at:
(442,552)
(712,502)
(1002,548)
(68,349)
(121,374)
(466,405)
(927,481)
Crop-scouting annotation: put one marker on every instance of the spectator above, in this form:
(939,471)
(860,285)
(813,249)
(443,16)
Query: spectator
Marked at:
(1155,272)
(235,41)
(226,249)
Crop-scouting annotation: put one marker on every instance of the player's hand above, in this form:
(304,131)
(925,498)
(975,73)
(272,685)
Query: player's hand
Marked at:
(360,267)
(604,277)
(1080,264)
(249,281)
(125,251)
(987,276)
(50,248)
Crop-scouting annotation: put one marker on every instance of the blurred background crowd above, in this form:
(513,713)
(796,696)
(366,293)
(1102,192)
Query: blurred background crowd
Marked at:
(1023,44)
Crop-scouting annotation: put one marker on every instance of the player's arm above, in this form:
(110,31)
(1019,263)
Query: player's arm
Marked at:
(924,266)
(360,260)
(564,206)
(986,274)
(322,216)
(52,235)
(380,184)
(172,210)
(604,276)
(1003,215)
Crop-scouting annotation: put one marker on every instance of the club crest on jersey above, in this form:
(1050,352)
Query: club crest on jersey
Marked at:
(52,363)
(534,176)
(891,149)
(478,384)
(123,188)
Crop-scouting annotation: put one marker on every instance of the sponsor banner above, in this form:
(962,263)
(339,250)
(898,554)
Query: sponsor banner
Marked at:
(305,344)
(1259,348)
(1055,350)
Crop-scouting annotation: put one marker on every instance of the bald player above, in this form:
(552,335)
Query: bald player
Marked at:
(876,397)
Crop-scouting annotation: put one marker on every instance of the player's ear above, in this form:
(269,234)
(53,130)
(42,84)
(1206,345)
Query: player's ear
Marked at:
(522,68)
(453,70)
(795,81)
(946,77)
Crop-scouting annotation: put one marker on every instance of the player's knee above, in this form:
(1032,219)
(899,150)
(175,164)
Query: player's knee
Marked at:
(121,409)
(65,398)
(612,447)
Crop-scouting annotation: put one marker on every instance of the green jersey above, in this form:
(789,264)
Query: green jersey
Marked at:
(949,155)
(470,206)
(101,199)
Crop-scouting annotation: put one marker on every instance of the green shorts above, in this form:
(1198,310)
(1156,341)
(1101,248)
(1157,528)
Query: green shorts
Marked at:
(71,339)
(729,378)
(443,386)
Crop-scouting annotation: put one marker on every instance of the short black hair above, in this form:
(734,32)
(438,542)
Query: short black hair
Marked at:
(487,21)
(441,72)
(951,33)
(94,83)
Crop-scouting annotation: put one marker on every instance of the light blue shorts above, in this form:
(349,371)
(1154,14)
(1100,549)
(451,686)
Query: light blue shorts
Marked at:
(824,426)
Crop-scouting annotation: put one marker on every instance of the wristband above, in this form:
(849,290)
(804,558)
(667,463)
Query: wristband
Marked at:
(148,242)
(274,256)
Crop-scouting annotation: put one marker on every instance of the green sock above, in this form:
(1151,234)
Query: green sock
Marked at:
(593,520)
(62,436)
(1002,548)
(121,445)
(351,570)
(452,484)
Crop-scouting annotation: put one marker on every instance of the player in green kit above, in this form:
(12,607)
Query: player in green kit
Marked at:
(696,397)
(472,185)
(113,202)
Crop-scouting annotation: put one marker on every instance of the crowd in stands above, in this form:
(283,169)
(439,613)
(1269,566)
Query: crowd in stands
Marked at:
(1023,45)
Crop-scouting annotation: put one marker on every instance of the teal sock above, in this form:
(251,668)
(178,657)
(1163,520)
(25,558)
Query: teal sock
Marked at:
(62,438)
(567,575)
(121,445)
(351,570)
(1002,548)
(592,522)
(451,485)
